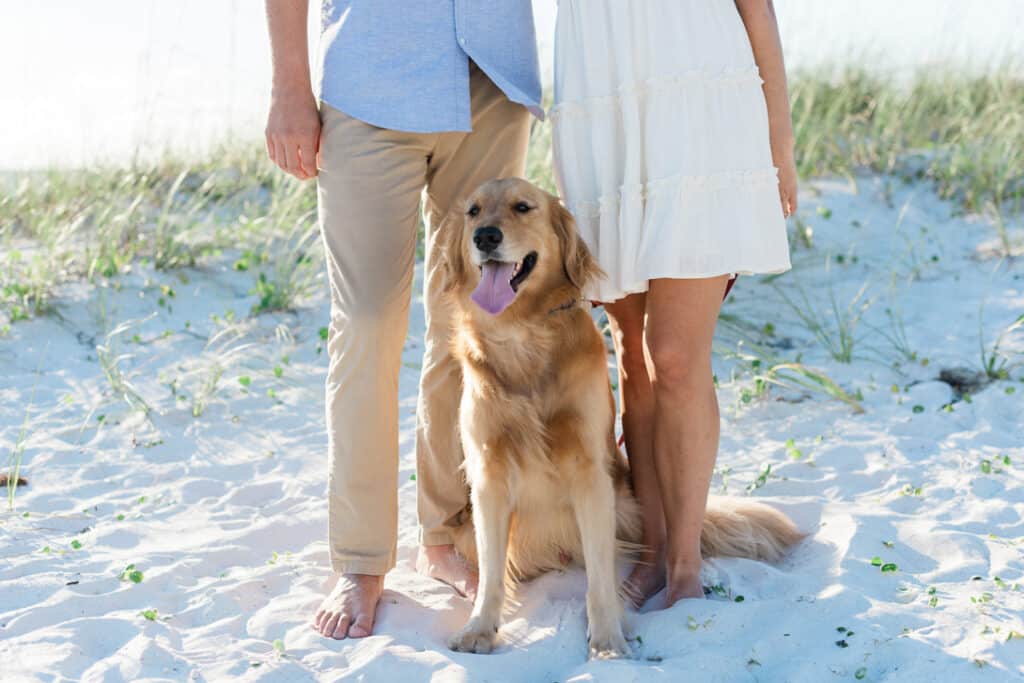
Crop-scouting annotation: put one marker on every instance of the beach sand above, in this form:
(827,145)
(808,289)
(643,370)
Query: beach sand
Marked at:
(224,514)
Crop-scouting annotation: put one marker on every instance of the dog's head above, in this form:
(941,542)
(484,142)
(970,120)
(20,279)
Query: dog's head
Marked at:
(513,242)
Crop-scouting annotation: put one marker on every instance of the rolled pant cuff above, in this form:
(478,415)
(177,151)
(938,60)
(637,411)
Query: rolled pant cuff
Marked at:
(362,565)
(435,537)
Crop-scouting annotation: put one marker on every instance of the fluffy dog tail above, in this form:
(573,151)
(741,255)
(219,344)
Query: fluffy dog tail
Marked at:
(742,528)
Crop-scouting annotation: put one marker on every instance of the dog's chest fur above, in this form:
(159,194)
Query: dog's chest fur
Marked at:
(527,385)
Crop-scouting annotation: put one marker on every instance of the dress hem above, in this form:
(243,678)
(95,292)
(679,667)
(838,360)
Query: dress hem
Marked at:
(643,286)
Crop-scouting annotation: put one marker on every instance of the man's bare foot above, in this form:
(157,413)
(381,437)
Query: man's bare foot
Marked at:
(349,611)
(444,563)
(683,583)
(644,581)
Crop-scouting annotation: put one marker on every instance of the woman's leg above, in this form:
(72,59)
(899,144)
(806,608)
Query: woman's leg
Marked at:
(681,316)
(636,403)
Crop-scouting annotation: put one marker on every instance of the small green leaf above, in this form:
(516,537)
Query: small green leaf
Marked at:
(245,380)
(889,567)
(323,333)
(888,544)
(76,544)
(149,614)
(918,409)
(278,371)
(279,647)
(876,561)
(860,673)
(986,466)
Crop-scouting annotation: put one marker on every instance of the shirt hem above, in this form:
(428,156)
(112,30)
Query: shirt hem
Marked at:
(382,122)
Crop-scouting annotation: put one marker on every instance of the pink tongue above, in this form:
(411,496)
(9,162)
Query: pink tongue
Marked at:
(494,293)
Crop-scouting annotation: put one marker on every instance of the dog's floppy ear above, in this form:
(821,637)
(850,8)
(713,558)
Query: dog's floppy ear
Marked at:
(580,266)
(448,251)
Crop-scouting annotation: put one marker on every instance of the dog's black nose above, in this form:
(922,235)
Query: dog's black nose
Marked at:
(487,239)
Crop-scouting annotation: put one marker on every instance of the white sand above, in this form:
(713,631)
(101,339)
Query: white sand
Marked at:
(225,513)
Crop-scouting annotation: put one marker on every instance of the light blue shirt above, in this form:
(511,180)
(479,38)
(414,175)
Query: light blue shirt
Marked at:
(404,64)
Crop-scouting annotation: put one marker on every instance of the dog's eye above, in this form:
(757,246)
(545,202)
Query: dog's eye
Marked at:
(522,207)
(473,210)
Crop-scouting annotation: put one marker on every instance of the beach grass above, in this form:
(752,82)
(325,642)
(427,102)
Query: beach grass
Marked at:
(963,132)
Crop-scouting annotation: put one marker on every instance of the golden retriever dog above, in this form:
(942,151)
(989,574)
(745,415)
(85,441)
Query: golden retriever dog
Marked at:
(537,418)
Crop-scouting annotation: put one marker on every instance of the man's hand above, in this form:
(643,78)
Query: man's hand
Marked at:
(293,125)
(293,131)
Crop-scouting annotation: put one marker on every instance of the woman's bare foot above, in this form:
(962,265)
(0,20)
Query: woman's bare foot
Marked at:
(350,609)
(645,579)
(683,583)
(444,563)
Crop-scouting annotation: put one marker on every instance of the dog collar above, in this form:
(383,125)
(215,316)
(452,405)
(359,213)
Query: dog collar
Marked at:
(564,307)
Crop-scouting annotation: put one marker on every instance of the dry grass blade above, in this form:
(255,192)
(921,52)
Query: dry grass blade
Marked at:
(111,361)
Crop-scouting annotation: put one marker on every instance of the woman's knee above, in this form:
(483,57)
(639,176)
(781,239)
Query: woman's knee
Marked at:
(678,365)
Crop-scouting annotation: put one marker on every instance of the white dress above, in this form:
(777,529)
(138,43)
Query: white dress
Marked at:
(660,136)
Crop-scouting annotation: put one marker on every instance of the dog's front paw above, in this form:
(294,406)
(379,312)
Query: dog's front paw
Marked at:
(609,645)
(475,637)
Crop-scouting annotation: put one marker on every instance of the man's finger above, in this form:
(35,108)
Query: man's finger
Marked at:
(307,157)
(270,148)
(291,157)
(279,155)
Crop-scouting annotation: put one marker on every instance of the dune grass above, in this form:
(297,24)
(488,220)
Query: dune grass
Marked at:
(834,328)
(963,133)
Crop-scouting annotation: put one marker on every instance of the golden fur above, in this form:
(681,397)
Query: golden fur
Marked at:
(548,482)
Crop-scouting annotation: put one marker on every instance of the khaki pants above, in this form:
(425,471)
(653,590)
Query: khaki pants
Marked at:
(370,186)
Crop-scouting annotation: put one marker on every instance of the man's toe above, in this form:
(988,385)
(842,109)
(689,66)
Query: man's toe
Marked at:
(362,626)
(341,630)
(328,625)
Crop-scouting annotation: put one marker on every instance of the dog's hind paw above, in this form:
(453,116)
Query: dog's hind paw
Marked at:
(475,639)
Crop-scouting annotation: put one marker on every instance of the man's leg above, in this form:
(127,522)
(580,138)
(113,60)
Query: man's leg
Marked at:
(369,185)
(496,148)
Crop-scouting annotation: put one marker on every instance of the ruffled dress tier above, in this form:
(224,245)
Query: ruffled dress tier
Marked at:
(661,147)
